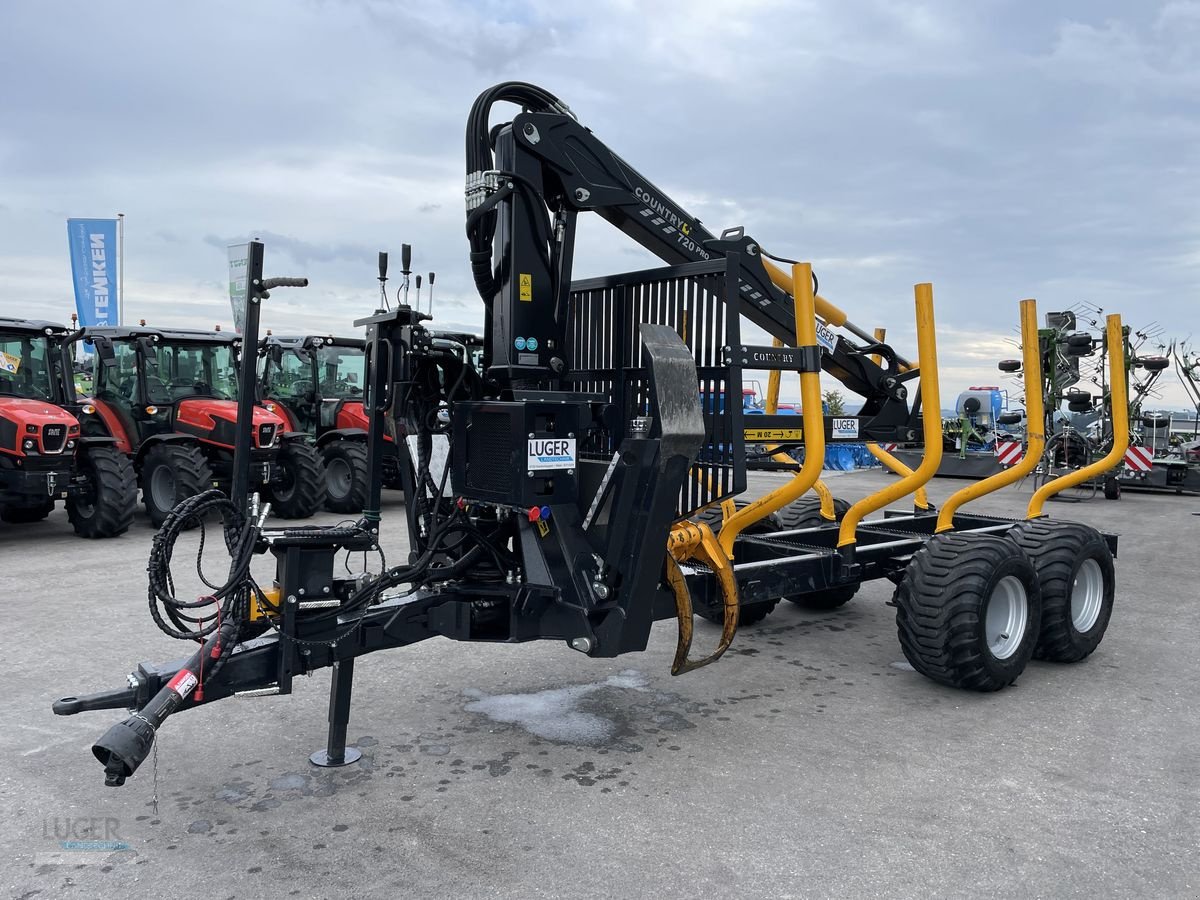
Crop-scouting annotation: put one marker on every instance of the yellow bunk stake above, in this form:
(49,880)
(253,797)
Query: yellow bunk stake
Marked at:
(812,420)
(931,419)
(1120,420)
(893,464)
(695,541)
(1034,428)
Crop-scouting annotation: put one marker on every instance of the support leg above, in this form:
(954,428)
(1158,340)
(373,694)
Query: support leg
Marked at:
(336,753)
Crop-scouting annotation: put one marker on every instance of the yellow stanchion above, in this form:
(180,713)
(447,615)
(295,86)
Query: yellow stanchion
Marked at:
(931,418)
(1120,423)
(813,423)
(1034,428)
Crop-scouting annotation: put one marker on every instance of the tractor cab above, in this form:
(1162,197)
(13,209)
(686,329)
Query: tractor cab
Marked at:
(315,382)
(159,382)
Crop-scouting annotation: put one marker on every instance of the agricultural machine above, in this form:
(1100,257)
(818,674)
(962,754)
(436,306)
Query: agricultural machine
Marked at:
(168,399)
(577,464)
(316,384)
(43,456)
(975,439)
(1084,433)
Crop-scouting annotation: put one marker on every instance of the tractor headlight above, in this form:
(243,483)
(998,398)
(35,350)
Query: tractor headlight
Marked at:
(71,444)
(269,407)
(29,445)
(88,409)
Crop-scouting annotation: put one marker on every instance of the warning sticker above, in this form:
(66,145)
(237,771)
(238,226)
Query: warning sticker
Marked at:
(183,683)
(9,363)
(845,428)
(771,434)
(526,287)
(551,453)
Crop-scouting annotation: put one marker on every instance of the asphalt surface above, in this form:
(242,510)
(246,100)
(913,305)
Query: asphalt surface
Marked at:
(810,762)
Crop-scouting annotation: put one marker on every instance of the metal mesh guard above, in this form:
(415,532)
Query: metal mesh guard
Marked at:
(604,355)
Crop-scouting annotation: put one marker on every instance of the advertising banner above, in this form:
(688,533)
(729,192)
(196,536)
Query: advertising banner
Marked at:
(239,255)
(93,244)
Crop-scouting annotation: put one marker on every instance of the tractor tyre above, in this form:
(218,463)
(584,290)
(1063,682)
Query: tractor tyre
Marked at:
(968,610)
(171,473)
(1075,573)
(806,513)
(1112,487)
(345,476)
(25,514)
(106,502)
(298,489)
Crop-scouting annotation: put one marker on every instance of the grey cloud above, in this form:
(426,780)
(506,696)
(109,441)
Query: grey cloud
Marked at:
(1000,150)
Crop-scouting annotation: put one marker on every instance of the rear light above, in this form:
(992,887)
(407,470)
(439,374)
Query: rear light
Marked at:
(88,409)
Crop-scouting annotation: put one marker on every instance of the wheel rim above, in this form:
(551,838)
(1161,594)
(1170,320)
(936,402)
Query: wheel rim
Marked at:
(1087,595)
(162,487)
(286,483)
(338,477)
(1007,615)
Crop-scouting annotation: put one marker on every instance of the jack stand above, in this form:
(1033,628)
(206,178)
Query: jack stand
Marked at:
(336,753)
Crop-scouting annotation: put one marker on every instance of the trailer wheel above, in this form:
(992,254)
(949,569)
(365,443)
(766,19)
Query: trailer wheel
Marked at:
(104,505)
(1075,571)
(806,513)
(345,476)
(1112,487)
(968,611)
(170,474)
(23,515)
(747,615)
(298,488)
(714,519)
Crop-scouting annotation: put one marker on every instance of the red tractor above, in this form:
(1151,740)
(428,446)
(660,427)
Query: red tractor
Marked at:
(316,384)
(44,457)
(169,398)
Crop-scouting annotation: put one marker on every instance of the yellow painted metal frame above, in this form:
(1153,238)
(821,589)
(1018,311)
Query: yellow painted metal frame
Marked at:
(893,464)
(772,407)
(1120,420)
(931,418)
(1034,430)
(812,420)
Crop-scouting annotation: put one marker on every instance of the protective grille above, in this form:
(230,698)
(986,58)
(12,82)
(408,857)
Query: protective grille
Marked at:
(605,356)
(266,434)
(489,454)
(53,438)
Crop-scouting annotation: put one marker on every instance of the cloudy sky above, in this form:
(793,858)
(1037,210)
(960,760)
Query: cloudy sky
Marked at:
(998,149)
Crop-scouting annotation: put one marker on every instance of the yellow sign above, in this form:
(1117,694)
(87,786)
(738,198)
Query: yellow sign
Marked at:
(526,287)
(771,434)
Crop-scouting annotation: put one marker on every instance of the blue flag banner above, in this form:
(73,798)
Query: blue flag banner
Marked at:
(93,245)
